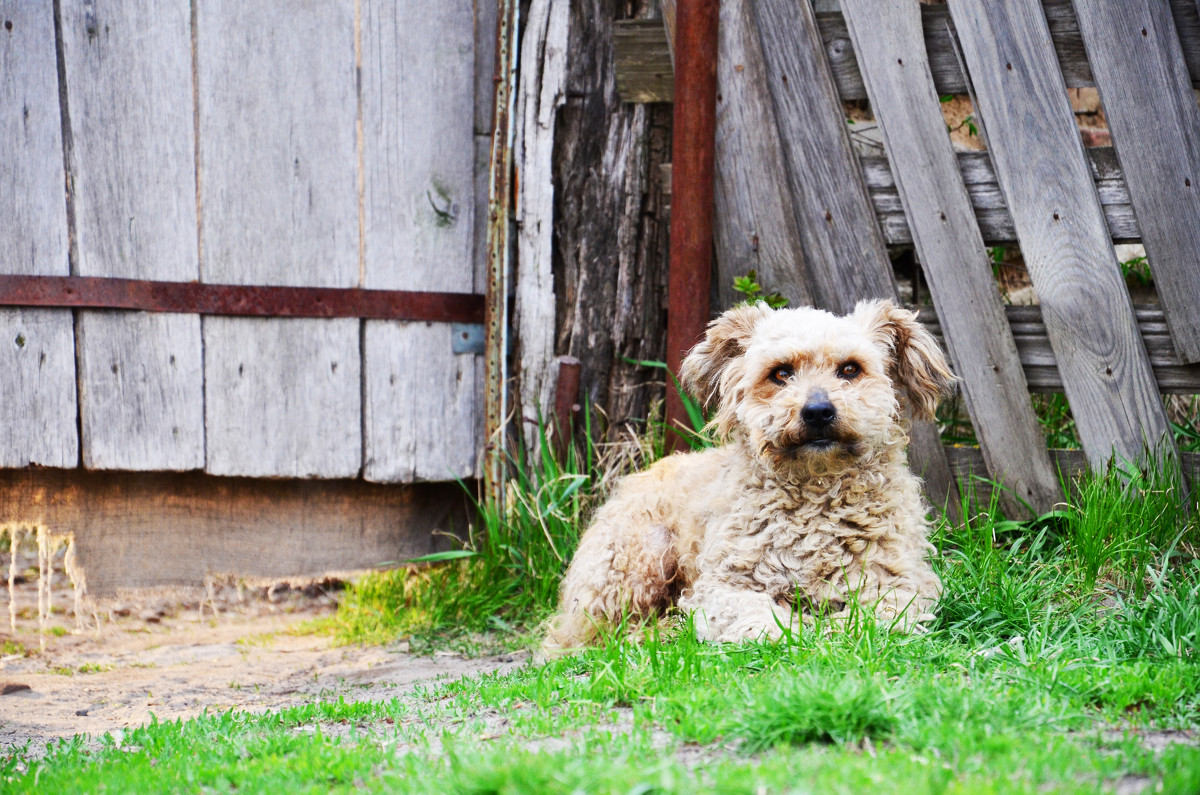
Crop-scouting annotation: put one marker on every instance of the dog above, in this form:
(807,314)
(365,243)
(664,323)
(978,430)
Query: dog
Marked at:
(806,507)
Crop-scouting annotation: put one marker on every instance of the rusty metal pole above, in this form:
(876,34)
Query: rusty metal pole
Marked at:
(498,248)
(690,278)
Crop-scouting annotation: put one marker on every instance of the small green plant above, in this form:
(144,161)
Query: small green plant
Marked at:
(748,286)
(1137,272)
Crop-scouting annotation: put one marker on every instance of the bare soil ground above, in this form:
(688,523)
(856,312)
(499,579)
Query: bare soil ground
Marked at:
(176,654)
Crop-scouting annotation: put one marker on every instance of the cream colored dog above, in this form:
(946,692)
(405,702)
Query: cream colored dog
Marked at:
(809,499)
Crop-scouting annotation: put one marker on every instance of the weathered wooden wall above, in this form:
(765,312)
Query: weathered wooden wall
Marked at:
(177,141)
(596,279)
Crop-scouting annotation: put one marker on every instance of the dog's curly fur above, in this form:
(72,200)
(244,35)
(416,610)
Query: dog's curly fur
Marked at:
(808,496)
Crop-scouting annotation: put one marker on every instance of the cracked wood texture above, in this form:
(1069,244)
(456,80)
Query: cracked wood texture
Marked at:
(279,205)
(895,70)
(840,238)
(1136,58)
(1041,167)
(37,346)
(128,71)
(423,417)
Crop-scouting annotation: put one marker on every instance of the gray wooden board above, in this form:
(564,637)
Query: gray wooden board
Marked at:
(129,85)
(1041,366)
(37,349)
(1039,160)
(642,61)
(1151,110)
(840,237)
(947,74)
(991,210)
(754,225)
(283,397)
(151,530)
(485,65)
(419,166)
(896,71)
(278,193)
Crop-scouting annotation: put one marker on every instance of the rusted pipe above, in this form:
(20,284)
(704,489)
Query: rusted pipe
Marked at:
(690,277)
(566,403)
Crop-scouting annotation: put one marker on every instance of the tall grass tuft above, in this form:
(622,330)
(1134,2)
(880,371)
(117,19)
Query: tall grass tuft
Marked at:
(507,573)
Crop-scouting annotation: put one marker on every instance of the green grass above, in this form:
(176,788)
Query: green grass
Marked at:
(1062,644)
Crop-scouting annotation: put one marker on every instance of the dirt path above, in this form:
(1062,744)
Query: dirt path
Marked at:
(172,655)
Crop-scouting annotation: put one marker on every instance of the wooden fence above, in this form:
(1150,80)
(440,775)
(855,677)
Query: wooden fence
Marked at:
(797,204)
(330,145)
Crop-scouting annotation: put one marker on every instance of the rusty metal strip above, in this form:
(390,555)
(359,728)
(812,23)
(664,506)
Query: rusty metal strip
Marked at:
(498,250)
(692,147)
(86,292)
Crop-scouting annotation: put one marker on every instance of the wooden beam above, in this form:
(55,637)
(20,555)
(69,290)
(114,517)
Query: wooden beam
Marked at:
(896,71)
(1089,318)
(148,530)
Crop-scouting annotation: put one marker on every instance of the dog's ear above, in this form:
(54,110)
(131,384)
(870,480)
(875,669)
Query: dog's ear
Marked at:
(916,363)
(725,340)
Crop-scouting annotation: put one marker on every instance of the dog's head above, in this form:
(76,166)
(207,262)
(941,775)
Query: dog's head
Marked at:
(804,386)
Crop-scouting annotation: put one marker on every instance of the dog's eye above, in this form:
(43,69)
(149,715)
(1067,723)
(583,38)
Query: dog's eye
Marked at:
(849,370)
(781,374)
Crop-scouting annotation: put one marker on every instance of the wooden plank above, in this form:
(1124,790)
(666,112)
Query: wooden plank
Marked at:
(1088,315)
(839,233)
(279,205)
(129,82)
(755,222)
(1041,366)
(943,63)
(541,92)
(37,347)
(485,65)
(193,526)
(991,211)
(642,61)
(421,400)
(1134,51)
(980,343)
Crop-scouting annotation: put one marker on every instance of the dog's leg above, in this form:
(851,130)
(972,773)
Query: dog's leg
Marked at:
(726,613)
(618,572)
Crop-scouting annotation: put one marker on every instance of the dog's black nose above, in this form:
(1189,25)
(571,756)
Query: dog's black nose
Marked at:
(818,412)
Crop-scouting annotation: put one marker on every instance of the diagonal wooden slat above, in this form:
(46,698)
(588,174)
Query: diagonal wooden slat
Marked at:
(1040,163)
(842,242)
(895,69)
(1143,80)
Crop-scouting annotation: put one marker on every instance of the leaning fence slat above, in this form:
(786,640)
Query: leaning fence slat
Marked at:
(421,398)
(1143,81)
(37,359)
(755,222)
(896,72)
(947,74)
(128,72)
(279,205)
(840,237)
(1040,163)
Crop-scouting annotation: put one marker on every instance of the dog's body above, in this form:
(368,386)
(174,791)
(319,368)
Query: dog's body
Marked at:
(809,497)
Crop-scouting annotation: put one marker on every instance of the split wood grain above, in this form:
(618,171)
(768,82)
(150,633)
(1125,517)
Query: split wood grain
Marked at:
(1040,163)
(421,400)
(1138,64)
(37,346)
(279,204)
(754,225)
(895,69)
(128,72)
(840,237)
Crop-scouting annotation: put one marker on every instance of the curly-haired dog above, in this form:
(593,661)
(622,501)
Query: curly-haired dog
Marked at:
(809,495)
